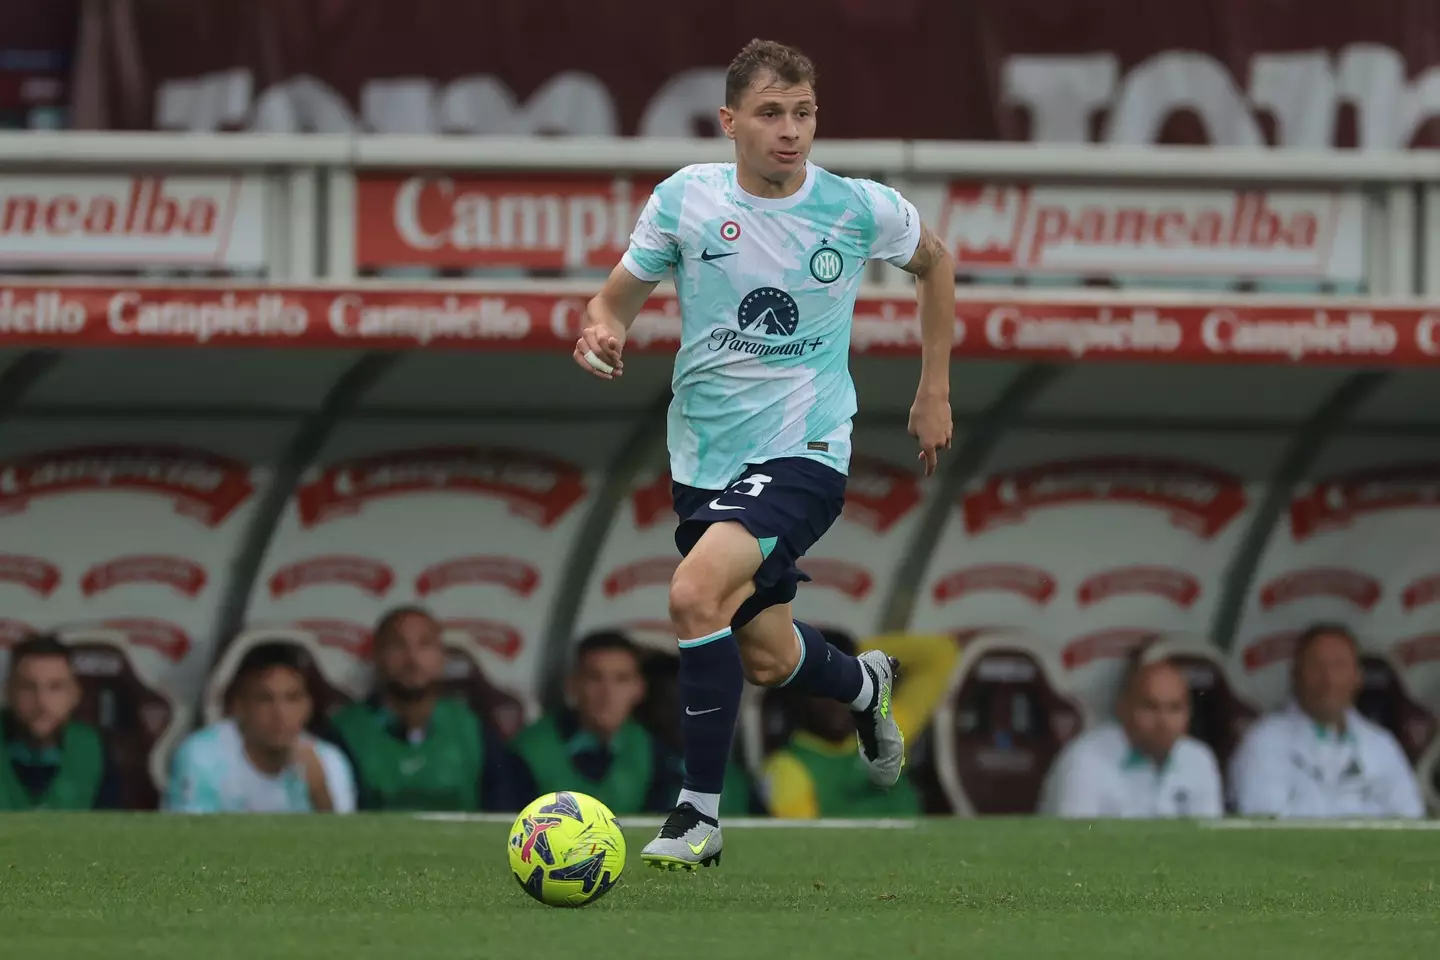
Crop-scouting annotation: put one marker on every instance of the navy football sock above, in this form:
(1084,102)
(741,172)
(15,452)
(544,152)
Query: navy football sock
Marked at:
(711,681)
(825,671)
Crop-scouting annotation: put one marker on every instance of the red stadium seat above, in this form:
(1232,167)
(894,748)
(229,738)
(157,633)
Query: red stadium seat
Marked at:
(1000,727)
(1385,698)
(140,723)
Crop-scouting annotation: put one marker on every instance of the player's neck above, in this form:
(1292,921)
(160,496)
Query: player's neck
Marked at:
(414,714)
(767,189)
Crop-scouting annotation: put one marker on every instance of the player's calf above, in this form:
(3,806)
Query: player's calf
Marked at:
(706,590)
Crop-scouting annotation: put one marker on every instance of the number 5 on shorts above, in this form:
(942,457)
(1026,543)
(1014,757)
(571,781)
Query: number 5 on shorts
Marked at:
(752,485)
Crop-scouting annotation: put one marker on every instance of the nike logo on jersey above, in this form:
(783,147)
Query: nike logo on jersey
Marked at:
(707,256)
(717,505)
(699,713)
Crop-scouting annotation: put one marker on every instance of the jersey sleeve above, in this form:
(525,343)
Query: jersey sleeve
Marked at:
(655,242)
(192,787)
(895,228)
(339,778)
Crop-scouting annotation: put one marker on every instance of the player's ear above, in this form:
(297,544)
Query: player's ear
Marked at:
(727,122)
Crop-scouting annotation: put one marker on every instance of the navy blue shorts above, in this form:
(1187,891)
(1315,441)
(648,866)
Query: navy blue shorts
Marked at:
(786,504)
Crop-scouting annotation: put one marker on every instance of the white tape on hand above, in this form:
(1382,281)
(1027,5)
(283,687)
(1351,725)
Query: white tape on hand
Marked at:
(597,363)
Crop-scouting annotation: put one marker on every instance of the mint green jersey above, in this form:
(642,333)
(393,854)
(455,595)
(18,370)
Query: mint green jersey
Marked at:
(767,293)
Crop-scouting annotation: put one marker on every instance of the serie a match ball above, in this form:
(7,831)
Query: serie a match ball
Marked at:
(566,849)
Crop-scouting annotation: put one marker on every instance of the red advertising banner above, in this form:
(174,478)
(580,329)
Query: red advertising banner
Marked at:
(546,223)
(1286,73)
(1100,325)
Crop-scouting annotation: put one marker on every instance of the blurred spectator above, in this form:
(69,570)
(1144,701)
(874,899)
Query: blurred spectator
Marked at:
(260,759)
(1144,766)
(412,748)
(659,712)
(53,762)
(595,745)
(819,773)
(1319,757)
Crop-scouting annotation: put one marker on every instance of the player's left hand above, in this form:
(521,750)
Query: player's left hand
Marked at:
(930,424)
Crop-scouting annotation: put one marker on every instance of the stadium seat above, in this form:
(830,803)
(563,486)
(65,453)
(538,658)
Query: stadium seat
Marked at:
(1428,771)
(1219,715)
(1000,727)
(1386,699)
(328,694)
(140,723)
(505,712)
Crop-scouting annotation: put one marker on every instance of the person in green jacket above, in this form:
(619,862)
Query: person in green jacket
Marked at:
(51,760)
(413,748)
(595,745)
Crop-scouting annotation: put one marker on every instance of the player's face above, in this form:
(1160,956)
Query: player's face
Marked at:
(1158,712)
(412,659)
(608,687)
(273,709)
(43,694)
(1327,678)
(773,127)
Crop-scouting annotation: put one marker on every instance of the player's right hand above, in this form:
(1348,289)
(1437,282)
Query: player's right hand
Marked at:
(605,338)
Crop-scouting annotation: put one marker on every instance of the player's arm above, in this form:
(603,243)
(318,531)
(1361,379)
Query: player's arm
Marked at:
(608,317)
(934,272)
(654,249)
(902,240)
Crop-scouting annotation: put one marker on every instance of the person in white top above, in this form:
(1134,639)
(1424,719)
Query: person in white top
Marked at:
(261,760)
(1144,765)
(1318,757)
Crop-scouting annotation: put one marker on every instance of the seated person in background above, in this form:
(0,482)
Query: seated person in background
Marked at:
(1318,757)
(412,748)
(1144,766)
(595,746)
(819,773)
(51,762)
(260,759)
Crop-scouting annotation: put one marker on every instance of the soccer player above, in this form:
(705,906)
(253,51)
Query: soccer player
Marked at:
(768,255)
(261,760)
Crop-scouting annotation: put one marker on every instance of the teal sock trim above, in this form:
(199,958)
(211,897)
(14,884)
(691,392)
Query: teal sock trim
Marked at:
(800,640)
(708,638)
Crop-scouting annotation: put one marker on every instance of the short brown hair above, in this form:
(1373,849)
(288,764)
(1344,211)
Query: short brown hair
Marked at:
(766,56)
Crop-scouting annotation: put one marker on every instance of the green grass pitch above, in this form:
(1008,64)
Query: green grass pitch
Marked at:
(102,886)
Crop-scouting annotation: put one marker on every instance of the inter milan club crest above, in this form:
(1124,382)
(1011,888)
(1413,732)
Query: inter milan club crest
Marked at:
(826,264)
(730,231)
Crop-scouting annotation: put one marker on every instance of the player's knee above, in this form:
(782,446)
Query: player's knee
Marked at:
(695,605)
